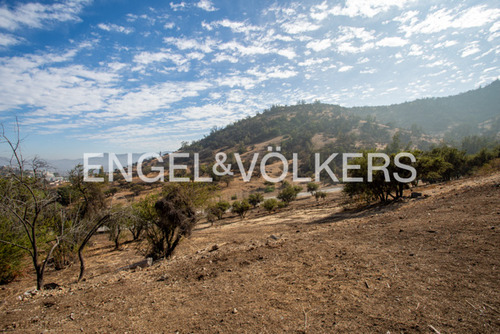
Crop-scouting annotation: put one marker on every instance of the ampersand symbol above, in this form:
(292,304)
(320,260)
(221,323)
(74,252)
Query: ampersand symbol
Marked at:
(220,158)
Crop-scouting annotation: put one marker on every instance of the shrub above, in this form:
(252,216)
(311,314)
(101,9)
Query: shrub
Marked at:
(11,257)
(234,197)
(319,194)
(270,204)
(289,194)
(218,209)
(269,189)
(175,219)
(255,199)
(312,187)
(241,208)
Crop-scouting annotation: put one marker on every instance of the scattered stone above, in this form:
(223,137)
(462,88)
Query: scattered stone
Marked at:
(148,262)
(274,237)
(235,310)
(72,316)
(214,248)
(415,194)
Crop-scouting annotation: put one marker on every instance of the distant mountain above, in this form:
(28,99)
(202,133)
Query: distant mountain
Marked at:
(312,126)
(473,112)
(63,166)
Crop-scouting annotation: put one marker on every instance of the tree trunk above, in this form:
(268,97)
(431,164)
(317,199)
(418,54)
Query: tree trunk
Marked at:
(85,241)
(82,264)
(39,278)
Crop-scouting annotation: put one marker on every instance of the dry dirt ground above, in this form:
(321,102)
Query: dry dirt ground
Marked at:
(423,265)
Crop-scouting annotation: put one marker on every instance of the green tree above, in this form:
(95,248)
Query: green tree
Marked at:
(312,187)
(289,194)
(255,199)
(174,220)
(241,208)
(270,204)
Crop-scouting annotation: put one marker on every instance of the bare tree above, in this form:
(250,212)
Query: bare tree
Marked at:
(91,214)
(26,202)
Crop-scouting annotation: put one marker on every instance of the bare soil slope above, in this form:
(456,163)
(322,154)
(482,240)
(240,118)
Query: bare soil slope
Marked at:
(418,266)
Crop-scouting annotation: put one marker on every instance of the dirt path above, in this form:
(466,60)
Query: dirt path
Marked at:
(421,266)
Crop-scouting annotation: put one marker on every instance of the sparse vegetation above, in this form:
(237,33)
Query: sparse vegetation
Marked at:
(255,199)
(289,194)
(270,204)
(241,207)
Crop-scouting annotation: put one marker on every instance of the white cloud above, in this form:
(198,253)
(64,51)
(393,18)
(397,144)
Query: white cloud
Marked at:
(319,45)
(220,57)
(142,101)
(470,50)
(415,50)
(254,49)
(299,25)
(235,26)
(7,40)
(347,33)
(115,28)
(276,72)
(345,68)
(37,15)
(179,6)
(445,44)
(288,53)
(392,42)
(182,63)
(349,48)
(443,19)
(206,5)
(169,25)
(368,71)
(186,43)
(365,8)
(313,61)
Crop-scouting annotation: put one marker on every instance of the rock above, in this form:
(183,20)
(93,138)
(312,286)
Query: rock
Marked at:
(214,248)
(72,316)
(274,237)
(141,264)
(235,310)
(415,194)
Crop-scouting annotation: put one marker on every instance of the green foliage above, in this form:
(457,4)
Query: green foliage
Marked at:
(175,218)
(241,208)
(441,164)
(198,192)
(289,194)
(255,199)
(67,195)
(270,204)
(312,187)
(234,197)
(379,188)
(269,189)
(11,257)
(218,209)
(319,195)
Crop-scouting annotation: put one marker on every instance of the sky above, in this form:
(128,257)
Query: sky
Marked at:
(143,76)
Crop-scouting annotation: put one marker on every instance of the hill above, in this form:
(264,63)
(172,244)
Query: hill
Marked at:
(473,112)
(311,269)
(306,126)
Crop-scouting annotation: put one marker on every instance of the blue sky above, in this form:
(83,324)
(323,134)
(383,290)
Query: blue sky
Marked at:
(143,76)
